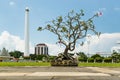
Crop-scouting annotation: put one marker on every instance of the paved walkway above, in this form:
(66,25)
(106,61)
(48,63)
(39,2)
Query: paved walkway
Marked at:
(59,73)
(106,71)
(54,74)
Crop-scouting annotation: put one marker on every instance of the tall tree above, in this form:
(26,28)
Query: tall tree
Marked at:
(16,54)
(70,29)
(82,56)
(115,56)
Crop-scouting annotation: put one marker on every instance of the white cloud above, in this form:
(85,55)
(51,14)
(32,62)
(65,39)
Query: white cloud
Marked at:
(105,43)
(12,42)
(102,44)
(11,3)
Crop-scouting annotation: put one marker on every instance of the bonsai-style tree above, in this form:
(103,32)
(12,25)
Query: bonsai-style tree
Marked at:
(70,29)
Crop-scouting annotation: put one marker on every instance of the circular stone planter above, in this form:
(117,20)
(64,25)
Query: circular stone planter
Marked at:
(64,63)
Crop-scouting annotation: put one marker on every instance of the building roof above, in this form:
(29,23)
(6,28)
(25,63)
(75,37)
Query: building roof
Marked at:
(41,44)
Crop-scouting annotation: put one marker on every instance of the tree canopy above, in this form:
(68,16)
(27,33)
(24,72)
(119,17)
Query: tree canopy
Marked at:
(16,54)
(70,29)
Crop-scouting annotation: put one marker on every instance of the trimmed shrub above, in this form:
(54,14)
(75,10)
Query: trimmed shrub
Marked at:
(27,57)
(40,57)
(90,59)
(98,59)
(107,60)
(51,58)
(33,56)
(82,59)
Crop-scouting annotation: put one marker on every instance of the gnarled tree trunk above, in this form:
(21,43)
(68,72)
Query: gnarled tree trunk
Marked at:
(66,54)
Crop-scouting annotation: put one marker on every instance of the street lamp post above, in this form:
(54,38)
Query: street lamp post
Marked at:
(88,43)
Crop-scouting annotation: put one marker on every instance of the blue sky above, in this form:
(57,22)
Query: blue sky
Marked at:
(12,14)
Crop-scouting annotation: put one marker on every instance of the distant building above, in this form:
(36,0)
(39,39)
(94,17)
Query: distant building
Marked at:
(41,49)
(4,55)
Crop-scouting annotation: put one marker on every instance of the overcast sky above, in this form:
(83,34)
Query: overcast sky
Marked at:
(12,13)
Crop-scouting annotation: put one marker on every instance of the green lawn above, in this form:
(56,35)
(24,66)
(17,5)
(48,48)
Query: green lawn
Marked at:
(24,64)
(99,65)
(48,64)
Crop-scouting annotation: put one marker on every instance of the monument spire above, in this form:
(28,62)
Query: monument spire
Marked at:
(26,35)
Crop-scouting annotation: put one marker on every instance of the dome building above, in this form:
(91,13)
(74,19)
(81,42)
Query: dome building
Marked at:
(41,49)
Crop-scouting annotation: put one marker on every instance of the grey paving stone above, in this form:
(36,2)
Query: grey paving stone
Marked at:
(58,69)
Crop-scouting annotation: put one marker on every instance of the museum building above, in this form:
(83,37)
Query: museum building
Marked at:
(41,49)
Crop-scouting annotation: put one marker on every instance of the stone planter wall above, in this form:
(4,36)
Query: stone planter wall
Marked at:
(64,63)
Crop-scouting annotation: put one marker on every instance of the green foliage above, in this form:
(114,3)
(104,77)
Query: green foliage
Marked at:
(90,59)
(108,60)
(115,56)
(16,54)
(70,28)
(40,28)
(82,57)
(40,57)
(33,56)
(98,59)
(51,58)
(95,56)
(27,57)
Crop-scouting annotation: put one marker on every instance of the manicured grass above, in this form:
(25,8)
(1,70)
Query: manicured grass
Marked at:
(99,65)
(48,64)
(24,64)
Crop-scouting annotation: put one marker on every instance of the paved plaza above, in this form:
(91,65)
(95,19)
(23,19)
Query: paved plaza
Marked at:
(59,73)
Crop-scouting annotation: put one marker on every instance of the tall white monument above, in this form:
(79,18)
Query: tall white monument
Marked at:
(26,35)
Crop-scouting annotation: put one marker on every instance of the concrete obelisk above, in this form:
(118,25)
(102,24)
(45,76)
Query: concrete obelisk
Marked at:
(26,35)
